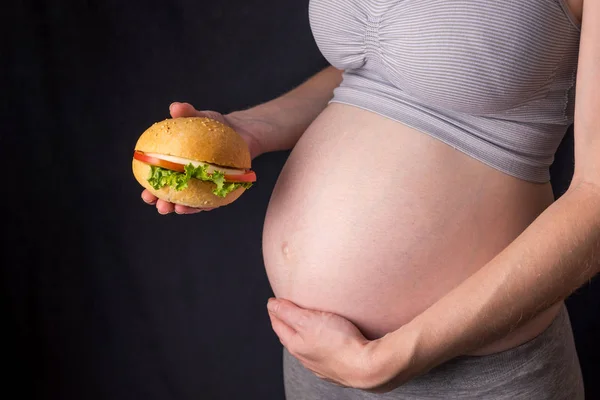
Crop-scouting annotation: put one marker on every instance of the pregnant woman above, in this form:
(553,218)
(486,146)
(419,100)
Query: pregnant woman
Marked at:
(412,240)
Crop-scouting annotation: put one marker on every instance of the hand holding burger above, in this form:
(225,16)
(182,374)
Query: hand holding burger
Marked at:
(193,162)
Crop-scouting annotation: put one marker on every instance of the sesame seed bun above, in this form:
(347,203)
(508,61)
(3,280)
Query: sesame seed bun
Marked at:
(200,139)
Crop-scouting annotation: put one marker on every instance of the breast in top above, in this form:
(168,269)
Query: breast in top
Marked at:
(476,57)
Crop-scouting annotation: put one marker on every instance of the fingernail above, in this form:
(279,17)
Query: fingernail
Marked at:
(272,305)
(172,104)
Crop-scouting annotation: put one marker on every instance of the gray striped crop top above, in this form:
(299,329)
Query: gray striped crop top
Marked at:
(495,79)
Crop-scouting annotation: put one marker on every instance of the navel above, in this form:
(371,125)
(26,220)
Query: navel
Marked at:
(285,250)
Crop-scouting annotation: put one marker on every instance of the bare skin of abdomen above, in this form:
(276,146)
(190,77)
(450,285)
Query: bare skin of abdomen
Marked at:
(375,221)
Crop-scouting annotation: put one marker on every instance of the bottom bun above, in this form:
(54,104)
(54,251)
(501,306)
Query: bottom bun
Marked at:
(198,194)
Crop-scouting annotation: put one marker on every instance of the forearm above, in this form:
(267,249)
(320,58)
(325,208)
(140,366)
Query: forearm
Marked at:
(283,120)
(558,253)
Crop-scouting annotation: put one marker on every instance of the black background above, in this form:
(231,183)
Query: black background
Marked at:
(102,297)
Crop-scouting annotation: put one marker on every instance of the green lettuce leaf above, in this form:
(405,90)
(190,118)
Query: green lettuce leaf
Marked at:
(160,177)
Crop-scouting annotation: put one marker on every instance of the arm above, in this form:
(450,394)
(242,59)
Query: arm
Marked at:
(555,255)
(279,123)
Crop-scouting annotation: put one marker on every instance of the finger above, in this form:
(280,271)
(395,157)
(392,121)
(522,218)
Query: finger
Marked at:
(294,316)
(149,197)
(181,209)
(285,332)
(164,207)
(183,110)
(187,110)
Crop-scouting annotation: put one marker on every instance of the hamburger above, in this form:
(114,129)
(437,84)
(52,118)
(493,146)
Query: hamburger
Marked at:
(193,161)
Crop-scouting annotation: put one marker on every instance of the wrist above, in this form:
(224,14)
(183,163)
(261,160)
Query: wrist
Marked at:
(394,359)
(278,124)
(255,130)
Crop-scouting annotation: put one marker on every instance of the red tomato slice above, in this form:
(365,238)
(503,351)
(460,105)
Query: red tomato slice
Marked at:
(138,155)
(249,176)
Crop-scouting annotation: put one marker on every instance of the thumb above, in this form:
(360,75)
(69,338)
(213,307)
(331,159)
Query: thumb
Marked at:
(177,110)
(296,317)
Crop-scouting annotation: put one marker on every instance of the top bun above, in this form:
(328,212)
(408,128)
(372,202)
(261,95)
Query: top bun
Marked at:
(198,139)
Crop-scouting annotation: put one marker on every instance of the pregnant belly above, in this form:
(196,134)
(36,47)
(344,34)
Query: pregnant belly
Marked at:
(375,221)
